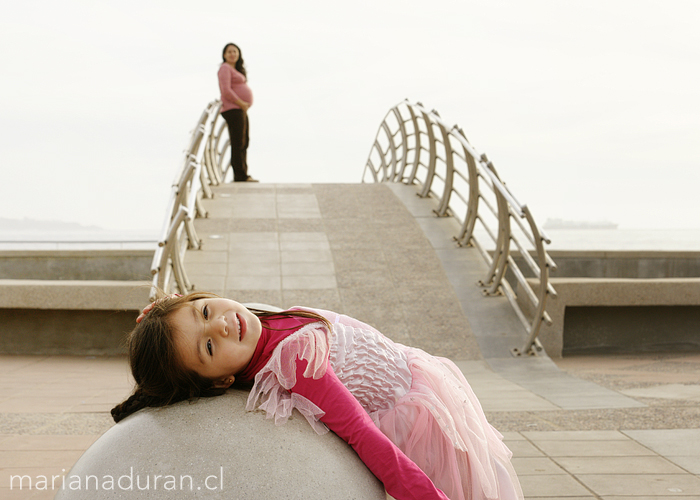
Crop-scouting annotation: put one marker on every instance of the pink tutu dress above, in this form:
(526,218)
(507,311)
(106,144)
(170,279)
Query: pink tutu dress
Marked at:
(421,403)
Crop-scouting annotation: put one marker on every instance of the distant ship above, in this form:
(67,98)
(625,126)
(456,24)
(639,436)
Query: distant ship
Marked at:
(573,224)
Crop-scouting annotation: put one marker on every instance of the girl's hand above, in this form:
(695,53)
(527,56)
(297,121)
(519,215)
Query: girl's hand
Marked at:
(243,105)
(150,306)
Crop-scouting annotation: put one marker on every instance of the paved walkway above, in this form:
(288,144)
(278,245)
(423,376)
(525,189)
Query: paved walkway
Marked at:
(613,428)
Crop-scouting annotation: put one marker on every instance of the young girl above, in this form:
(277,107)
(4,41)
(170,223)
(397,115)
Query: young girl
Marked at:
(411,417)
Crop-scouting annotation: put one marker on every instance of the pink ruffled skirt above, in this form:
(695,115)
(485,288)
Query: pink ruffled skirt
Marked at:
(440,425)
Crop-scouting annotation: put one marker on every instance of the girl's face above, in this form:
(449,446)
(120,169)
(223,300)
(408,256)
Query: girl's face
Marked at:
(231,55)
(216,338)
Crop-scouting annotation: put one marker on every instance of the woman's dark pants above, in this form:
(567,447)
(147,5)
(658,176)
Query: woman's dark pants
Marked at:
(237,121)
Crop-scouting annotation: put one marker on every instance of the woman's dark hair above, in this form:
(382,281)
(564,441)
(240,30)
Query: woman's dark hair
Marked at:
(240,64)
(160,376)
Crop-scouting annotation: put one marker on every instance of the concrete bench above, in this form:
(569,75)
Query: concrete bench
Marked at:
(617,315)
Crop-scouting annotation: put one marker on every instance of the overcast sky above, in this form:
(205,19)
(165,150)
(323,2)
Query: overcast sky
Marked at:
(589,109)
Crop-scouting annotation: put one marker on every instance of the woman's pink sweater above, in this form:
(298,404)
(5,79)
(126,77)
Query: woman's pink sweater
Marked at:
(233,87)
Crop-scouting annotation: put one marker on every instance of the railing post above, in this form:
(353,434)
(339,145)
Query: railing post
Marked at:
(442,209)
(425,192)
(417,147)
(531,346)
(465,234)
(398,177)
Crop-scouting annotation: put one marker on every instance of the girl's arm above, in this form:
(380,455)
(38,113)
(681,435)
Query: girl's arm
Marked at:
(344,415)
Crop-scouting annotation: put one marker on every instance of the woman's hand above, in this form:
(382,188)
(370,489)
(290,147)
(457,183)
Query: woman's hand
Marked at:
(243,105)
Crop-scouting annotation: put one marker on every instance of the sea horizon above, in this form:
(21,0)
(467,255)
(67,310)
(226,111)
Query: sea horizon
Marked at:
(620,239)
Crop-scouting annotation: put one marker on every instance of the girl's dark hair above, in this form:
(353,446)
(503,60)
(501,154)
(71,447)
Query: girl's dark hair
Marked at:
(160,376)
(240,64)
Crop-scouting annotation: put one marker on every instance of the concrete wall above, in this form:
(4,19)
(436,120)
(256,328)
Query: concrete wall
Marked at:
(625,329)
(71,302)
(622,264)
(607,315)
(117,265)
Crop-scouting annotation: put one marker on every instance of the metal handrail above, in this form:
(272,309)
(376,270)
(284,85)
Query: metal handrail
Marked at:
(201,168)
(411,130)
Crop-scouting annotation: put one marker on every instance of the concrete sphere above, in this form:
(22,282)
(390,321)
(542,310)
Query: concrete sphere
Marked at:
(226,451)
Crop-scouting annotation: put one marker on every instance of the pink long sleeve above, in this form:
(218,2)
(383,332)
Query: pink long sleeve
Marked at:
(402,478)
(227,93)
(234,87)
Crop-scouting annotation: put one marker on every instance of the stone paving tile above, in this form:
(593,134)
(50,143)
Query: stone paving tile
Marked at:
(309,282)
(307,268)
(618,465)
(523,449)
(642,484)
(207,269)
(513,436)
(678,442)
(590,497)
(251,258)
(213,284)
(576,436)
(210,256)
(212,226)
(677,496)
(529,466)
(237,282)
(592,448)
(253,241)
(552,485)
(216,242)
(29,458)
(271,297)
(253,225)
(680,446)
(23,443)
(690,464)
(303,241)
(506,401)
(7,494)
(269,268)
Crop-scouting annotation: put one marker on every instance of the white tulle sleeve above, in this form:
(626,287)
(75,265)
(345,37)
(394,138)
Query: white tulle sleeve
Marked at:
(270,391)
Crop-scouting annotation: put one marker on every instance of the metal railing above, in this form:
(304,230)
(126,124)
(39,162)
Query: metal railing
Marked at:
(414,146)
(201,168)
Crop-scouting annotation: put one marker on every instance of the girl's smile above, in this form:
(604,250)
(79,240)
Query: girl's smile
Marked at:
(216,338)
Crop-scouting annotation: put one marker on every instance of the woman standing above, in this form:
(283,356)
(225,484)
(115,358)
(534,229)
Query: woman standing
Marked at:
(236,98)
